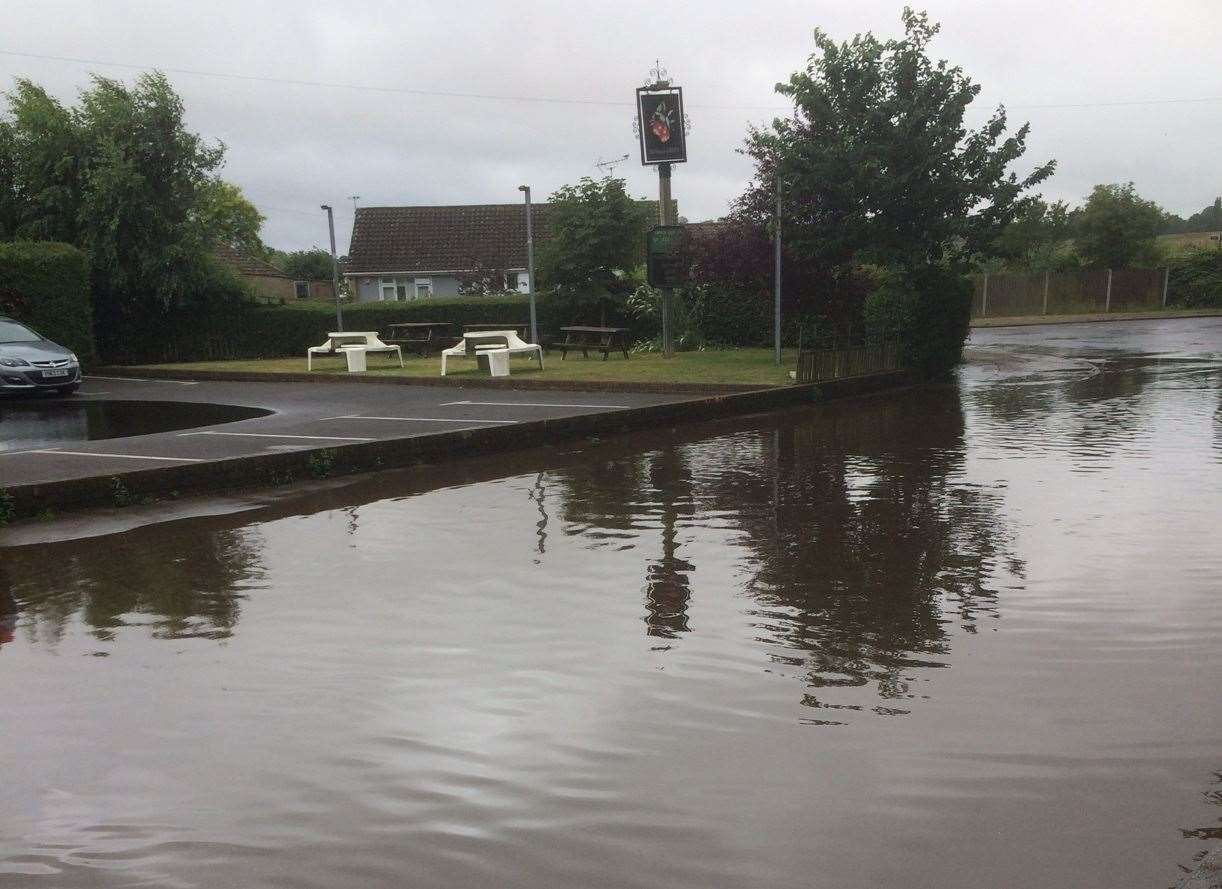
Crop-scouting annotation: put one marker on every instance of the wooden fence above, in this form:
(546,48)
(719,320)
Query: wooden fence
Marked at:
(1069,293)
(816,365)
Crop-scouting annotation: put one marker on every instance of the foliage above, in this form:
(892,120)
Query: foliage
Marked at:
(928,309)
(483,281)
(596,236)
(121,177)
(235,329)
(645,304)
(224,216)
(1117,228)
(304,265)
(1196,279)
(1036,237)
(46,285)
(1209,219)
(878,165)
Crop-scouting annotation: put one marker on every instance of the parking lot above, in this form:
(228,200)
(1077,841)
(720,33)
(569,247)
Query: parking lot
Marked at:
(302,417)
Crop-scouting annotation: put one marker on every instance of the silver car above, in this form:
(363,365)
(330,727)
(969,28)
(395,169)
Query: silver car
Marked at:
(30,363)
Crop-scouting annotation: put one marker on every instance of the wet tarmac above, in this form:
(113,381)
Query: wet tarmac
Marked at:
(959,636)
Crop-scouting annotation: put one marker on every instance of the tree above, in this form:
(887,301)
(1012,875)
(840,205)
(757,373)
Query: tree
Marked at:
(224,215)
(877,163)
(121,177)
(1035,237)
(305,265)
(596,233)
(1116,227)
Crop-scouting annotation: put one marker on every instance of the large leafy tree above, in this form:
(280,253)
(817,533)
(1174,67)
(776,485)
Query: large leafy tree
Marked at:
(1117,227)
(1036,237)
(121,176)
(877,163)
(596,235)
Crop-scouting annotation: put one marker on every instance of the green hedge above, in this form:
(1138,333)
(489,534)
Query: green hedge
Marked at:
(245,331)
(928,310)
(1196,279)
(46,285)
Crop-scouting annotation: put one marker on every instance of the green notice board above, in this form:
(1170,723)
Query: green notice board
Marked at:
(666,249)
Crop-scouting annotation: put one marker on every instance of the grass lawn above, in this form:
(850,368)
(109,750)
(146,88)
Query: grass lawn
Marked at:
(729,366)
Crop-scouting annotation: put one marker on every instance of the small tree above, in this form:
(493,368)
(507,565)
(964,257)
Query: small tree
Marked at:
(306,265)
(596,233)
(1036,237)
(1117,227)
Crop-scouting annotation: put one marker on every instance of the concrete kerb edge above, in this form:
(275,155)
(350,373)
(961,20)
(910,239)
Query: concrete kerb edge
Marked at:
(268,470)
(516,383)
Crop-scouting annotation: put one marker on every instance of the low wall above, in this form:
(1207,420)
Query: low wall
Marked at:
(282,468)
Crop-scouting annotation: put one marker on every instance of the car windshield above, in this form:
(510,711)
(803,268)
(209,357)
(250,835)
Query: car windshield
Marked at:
(12,332)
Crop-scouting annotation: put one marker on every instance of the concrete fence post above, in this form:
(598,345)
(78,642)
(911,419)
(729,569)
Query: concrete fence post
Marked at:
(1166,281)
(984,302)
(1107,303)
(1045,293)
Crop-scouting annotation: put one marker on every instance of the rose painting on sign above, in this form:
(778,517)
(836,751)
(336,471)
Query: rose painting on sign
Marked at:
(660,122)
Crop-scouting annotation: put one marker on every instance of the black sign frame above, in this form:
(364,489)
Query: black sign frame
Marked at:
(667,269)
(659,115)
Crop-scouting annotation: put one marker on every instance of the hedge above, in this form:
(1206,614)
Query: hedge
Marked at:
(928,310)
(46,285)
(1196,279)
(231,331)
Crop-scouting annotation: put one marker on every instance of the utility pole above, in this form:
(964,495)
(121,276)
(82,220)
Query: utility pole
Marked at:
(776,308)
(339,309)
(530,266)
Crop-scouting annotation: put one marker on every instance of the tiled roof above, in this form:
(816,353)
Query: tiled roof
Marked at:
(443,239)
(245,264)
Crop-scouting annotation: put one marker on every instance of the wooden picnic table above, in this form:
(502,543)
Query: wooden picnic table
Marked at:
(598,339)
(420,337)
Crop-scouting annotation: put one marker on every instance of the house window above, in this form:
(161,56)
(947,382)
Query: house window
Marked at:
(386,292)
(301,289)
(511,280)
(424,287)
(401,289)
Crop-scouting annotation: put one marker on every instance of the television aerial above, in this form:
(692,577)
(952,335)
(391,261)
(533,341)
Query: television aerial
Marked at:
(608,167)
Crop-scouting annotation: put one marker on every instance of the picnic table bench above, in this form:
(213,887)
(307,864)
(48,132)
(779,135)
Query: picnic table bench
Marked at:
(597,339)
(421,337)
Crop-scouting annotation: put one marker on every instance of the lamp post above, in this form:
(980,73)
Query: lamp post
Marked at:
(339,310)
(776,307)
(530,266)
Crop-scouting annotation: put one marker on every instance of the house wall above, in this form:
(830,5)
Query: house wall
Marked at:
(368,289)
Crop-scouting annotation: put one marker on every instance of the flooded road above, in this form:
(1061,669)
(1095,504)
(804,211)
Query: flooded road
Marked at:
(38,422)
(961,636)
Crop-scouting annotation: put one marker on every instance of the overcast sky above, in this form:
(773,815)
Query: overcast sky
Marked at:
(292,147)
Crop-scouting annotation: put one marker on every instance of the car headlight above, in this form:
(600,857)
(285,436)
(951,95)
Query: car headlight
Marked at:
(72,357)
(14,362)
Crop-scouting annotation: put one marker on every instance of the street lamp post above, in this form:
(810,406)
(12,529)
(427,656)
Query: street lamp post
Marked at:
(776,308)
(339,310)
(530,266)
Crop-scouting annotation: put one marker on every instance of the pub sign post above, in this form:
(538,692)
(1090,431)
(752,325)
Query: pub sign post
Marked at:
(662,130)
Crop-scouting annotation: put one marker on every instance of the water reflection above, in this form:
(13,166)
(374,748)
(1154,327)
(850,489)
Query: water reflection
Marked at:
(40,422)
(191,588)
(8,609)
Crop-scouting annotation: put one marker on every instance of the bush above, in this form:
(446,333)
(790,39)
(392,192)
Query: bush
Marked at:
(928,310)
(1196,279)
(225,330)
(46,285)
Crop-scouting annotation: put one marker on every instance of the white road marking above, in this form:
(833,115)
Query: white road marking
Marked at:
(117,456)
(88,377)
(418,419)
(272,435)
(530,404)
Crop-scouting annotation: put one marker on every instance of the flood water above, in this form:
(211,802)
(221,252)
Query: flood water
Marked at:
(961,636)
(43,422)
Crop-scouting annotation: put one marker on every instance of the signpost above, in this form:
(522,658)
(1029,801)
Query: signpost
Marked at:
(662,130)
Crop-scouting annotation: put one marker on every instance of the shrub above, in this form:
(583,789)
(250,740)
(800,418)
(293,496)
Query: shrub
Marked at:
(225,330)
(928,309)
(1196,279)
(46,285)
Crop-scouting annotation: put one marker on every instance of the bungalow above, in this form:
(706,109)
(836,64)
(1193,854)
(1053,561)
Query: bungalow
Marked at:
(266,282)
(407,253)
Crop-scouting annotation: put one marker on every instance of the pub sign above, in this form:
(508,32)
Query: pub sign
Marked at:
(667,258)
(660,121)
